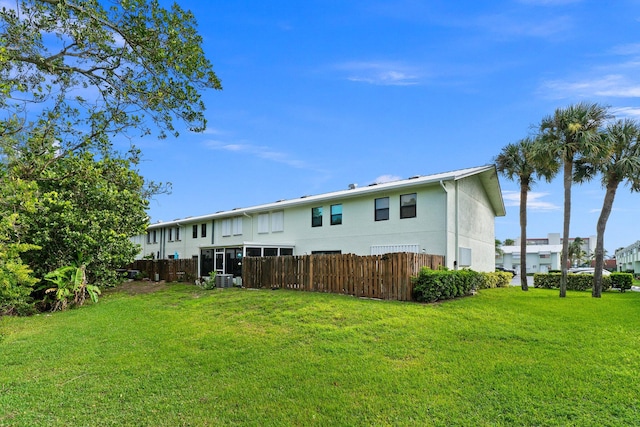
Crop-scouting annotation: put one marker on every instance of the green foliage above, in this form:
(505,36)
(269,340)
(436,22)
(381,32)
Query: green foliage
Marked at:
(143,63)
(16,278)
(16,281)
(622,281)
(575,282)
(89,206)
(70,287)
(498,279)
(209,282)
(434,285)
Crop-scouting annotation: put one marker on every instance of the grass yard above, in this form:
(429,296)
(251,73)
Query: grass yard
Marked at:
(181,356)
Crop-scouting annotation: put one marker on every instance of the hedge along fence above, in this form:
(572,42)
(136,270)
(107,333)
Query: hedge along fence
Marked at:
(434,285)
(575,282)
(386,276)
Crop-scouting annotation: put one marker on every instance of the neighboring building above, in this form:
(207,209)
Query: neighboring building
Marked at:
(543,254)
(450,214)
(628,259)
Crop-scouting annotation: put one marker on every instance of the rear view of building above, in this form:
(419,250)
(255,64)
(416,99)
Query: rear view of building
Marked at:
(450,214)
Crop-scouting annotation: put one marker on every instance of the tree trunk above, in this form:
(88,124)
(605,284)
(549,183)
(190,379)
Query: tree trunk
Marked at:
(568,175)
(607,205)
(524,188)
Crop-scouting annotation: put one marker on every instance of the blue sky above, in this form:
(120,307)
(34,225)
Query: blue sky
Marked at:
(321,94)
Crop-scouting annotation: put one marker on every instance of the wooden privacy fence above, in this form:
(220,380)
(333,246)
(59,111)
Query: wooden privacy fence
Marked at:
(376,276)
(169,270)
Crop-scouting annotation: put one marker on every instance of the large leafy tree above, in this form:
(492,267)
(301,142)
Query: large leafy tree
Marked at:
(566,136)
(87,208)
(519,161)
(77,72)
(617,162)
(74,75)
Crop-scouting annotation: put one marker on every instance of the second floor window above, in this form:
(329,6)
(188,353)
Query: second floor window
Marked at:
(408,205)
(336,214)
(382,209)
(316,217)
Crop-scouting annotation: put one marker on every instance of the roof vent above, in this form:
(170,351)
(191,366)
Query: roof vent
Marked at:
(353,186)
(414,177)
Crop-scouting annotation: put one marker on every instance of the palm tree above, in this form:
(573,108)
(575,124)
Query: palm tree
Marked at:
(509,242)
(518,161)
(619,162)
(499,251)
(575,251)
(566,135)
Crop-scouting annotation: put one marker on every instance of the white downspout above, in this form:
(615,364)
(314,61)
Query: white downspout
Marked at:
(446,220)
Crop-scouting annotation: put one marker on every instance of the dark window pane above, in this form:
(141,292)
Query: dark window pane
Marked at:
(316,217)
(408,205)
(194,232)
(382,209)
(254,252)
(336,214)
(286,251)
(203,230)
(270,251)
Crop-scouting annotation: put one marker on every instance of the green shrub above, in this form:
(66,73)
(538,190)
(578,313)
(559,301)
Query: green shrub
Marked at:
(622,281)
(434,285)
(575,282)
(498,279)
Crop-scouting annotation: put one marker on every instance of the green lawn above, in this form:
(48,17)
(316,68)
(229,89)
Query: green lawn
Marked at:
(188,357)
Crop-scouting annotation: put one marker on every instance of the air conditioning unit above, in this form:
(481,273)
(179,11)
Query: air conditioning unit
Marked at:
(224,280)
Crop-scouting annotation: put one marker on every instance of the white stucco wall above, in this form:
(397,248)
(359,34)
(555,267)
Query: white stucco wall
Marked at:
(462,216)
(476,230)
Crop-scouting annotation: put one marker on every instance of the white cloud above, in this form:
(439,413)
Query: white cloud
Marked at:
(386,178)
(512,198)
(611,85)
(380,73)
(262,152)
(629,112)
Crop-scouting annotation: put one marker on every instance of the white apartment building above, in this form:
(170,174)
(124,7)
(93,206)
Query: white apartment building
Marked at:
(450,214)
(543,253)
(628,259)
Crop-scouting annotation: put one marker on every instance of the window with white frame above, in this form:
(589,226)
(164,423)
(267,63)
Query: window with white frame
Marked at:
(277,221)
(177,233)
(226,227)
(237,226)
(263,223)
(171,234)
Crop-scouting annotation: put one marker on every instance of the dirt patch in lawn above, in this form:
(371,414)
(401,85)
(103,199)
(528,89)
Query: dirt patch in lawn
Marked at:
(140,287)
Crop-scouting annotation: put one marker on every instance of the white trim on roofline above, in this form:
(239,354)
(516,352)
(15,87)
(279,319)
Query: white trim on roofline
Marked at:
(342,194)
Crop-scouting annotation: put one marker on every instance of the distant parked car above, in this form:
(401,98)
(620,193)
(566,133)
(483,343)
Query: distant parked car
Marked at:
(506,270)
(586,270)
